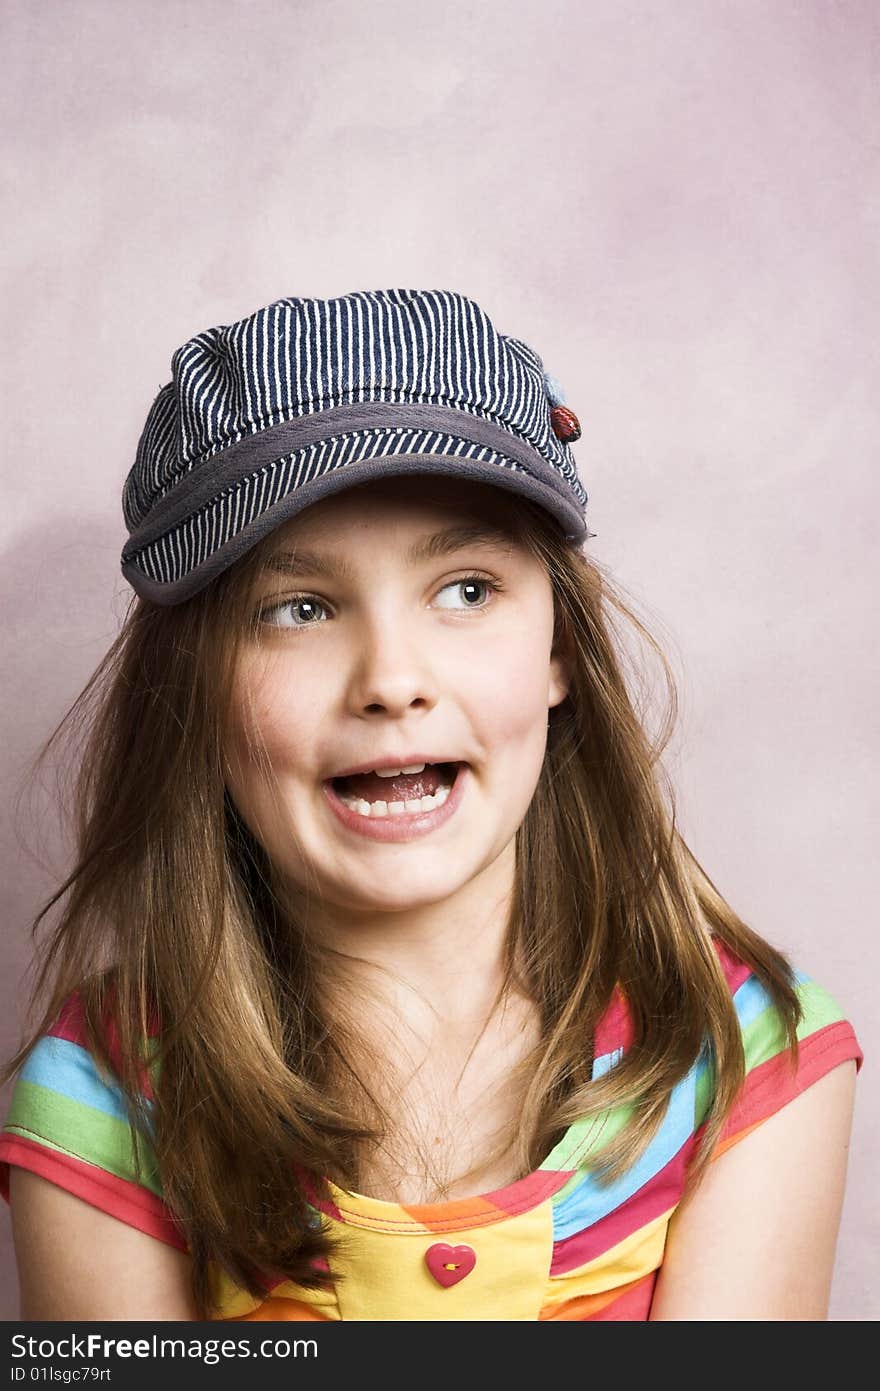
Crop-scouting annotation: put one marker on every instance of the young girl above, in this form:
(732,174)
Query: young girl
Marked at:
(385,987)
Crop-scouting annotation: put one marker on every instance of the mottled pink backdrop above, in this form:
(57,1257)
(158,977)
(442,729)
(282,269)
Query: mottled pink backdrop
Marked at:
(675,202)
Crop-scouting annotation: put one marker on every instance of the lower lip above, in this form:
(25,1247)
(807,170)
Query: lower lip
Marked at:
(405,827)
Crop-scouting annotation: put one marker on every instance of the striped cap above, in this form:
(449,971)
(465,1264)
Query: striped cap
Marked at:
(305,397)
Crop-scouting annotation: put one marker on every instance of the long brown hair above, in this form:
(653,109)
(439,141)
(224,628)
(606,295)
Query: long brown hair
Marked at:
(175,914)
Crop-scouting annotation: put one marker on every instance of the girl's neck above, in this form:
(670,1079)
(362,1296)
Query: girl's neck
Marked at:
(442,961)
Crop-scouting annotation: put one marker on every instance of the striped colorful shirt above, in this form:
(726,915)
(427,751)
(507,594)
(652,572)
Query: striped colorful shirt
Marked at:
(553,1245)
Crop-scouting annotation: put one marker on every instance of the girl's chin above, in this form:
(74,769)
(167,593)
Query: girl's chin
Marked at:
(408,892)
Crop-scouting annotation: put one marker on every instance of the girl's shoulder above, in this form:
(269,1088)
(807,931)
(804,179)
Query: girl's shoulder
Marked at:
(823,1027)
(773,1075)
(67,1121)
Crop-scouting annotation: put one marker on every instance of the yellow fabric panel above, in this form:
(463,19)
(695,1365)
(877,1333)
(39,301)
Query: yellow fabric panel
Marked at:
(587,1306)
(386,1276)
(631,1259)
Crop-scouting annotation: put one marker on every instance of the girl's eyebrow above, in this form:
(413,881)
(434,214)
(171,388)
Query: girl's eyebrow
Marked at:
(439,543)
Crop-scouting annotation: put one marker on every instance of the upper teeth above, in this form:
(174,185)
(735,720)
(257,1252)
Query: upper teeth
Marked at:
(395,772)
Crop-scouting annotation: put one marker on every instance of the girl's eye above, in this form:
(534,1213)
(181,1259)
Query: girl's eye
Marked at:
(299,612)
(466,587)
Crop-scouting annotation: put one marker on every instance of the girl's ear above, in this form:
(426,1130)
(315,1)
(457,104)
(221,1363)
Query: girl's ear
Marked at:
(561,669)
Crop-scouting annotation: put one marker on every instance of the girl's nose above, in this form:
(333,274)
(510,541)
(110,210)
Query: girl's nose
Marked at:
(390,670)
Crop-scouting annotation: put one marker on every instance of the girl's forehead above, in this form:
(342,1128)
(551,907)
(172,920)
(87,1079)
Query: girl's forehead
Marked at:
(400,502)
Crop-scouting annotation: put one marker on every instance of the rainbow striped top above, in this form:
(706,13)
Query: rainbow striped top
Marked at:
(553,1245)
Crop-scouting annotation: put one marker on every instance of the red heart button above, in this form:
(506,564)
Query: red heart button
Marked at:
(449,1264)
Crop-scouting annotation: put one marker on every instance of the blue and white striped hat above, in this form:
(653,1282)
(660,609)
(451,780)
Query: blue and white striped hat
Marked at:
(268,415)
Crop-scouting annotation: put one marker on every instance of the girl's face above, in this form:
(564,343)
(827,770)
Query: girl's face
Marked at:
(377,647)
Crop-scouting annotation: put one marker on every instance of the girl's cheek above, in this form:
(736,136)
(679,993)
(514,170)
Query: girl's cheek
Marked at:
(512,667)
(272,708)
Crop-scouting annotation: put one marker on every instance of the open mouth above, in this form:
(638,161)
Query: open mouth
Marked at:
(403,794)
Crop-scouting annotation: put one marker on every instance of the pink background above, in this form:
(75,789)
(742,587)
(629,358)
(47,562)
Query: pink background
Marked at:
(676,203)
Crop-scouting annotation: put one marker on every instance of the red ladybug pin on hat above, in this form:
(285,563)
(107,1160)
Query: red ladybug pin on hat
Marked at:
(566,426)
